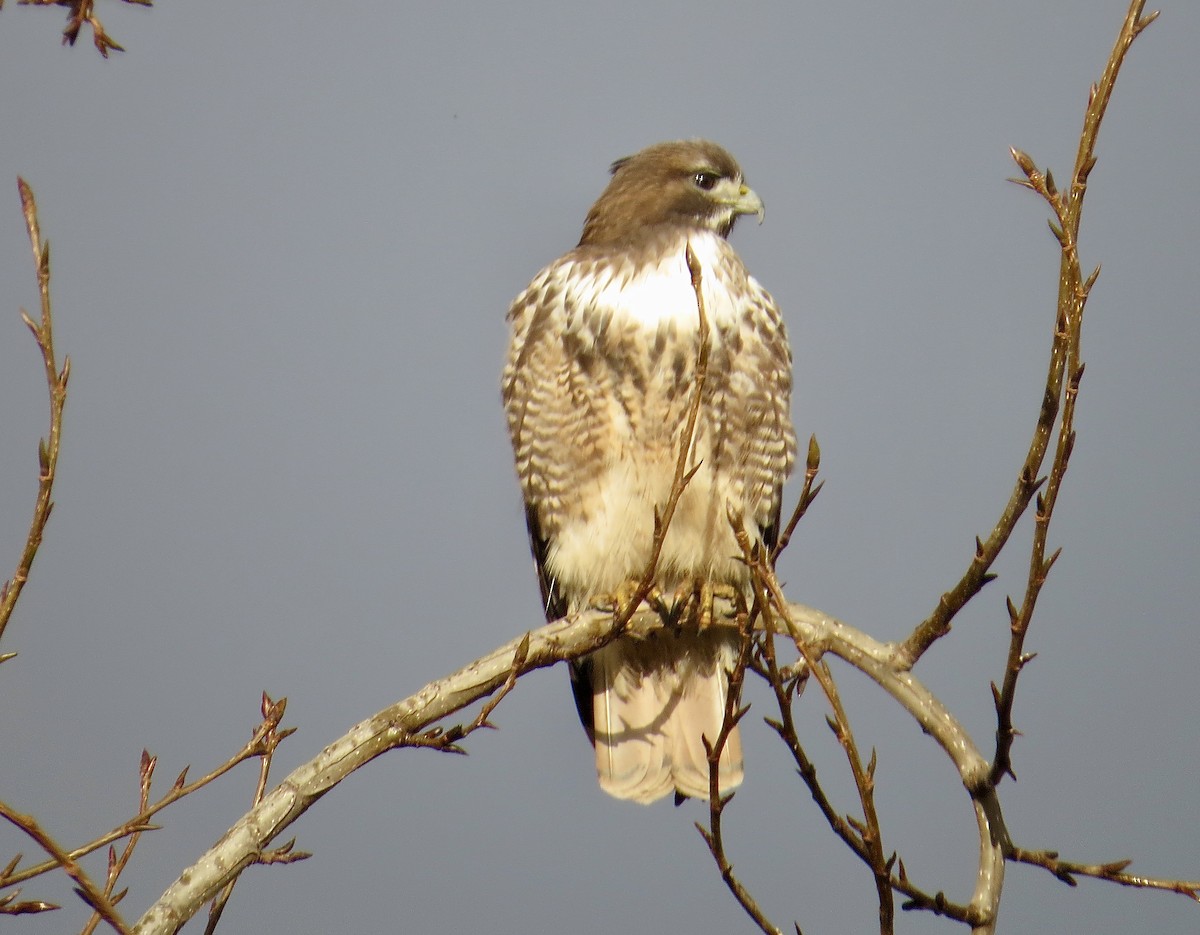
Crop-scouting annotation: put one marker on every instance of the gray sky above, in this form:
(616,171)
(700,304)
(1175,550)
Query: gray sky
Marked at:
(285,237)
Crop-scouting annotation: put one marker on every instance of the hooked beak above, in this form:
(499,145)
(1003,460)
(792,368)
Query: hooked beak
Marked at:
(747,202)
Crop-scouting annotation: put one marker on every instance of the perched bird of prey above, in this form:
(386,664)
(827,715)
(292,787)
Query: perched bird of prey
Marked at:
(599,377)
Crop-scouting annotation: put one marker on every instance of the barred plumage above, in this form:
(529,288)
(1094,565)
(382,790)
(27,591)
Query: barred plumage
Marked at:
(596,389)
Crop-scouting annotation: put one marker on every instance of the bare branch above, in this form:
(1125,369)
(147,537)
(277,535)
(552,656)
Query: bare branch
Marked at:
(564,639)
(1064,368)
(713,835)
(86,889)
(10,907)
(808,493)
(272,713)
(1113,872)
(398,725)
(265,735)
(1072,297)
(56,382)
(867,837)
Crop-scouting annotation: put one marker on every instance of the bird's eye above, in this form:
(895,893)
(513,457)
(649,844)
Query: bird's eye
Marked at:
(706,180)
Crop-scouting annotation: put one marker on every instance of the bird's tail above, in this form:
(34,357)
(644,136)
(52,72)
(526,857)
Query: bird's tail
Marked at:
(653,700)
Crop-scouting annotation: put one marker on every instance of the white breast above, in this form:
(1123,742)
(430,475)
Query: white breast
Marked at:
(662,294)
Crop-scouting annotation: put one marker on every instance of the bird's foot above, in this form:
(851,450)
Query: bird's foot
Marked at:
(620,601)
(689,605)
(694,599)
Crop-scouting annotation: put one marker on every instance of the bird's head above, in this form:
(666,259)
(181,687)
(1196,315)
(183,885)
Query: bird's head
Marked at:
(688,182)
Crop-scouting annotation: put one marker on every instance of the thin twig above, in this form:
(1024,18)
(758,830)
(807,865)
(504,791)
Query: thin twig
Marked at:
(86,889)
(448,739)
(117,864)
(56,382)
(10,906)
(734,712)
(808,493)
(272,714)
(181,789)
(1072,297)
(1063,367)
(683,474)
(868,831)
(786,691)
(1112,872)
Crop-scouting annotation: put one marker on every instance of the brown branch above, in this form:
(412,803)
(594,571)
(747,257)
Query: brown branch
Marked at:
(272,714)
(813,637)
(1072,297)
(117,864)
(734,712)
(398,725)
(264,735)
(867,832)
(808,493)
(1112,872)
(56,381)
(85,888)
(787,689)
(864,781)
(9,905)
(1064,369)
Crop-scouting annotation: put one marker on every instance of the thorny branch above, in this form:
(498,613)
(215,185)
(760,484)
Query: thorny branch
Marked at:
(787,688)
(864,837)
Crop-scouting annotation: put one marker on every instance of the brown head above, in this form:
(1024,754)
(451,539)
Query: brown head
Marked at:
(690,183)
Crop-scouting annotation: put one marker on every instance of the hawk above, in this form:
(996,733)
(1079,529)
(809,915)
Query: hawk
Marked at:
(596,388)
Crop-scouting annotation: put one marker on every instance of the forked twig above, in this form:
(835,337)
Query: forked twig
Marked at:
(85,887)
(1072,297)
(808,493)
(734,712)
(265,735)
(1064,371)
(866,834)
(116,864)
(270,738)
